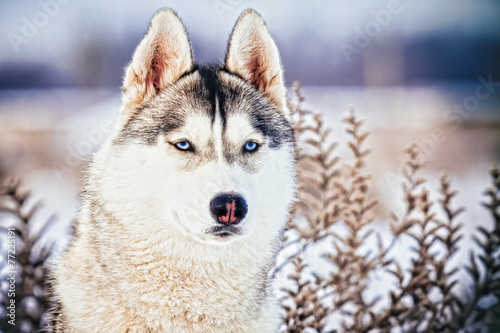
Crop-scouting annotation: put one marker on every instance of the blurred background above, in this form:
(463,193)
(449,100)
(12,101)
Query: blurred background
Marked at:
(418,71)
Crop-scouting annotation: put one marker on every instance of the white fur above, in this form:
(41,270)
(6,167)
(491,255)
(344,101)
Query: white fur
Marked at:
(160,238)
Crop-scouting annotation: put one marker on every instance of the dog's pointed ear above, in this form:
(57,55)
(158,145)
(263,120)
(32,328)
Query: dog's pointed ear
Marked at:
(163,55)
(253,55)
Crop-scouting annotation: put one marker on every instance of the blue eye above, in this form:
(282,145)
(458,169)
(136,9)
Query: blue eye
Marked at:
(183,145)
(251,146)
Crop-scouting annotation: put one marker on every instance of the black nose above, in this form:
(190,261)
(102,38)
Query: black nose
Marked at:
(228,208)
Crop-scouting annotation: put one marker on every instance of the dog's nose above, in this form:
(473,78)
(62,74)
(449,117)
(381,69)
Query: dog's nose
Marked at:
(228,208)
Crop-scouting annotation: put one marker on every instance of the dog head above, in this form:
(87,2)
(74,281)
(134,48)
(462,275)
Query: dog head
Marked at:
(207,151)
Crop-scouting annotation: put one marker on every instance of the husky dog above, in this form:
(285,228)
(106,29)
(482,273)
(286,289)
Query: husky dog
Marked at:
(186,201)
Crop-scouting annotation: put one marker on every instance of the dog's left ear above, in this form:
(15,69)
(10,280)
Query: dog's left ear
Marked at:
(253,55)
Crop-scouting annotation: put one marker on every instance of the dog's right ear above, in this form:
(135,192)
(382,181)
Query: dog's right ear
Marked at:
(163,55)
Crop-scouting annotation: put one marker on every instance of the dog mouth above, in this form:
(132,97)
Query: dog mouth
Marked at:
(225,231)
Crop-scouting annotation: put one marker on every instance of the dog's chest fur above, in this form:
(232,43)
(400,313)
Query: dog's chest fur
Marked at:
(136,289)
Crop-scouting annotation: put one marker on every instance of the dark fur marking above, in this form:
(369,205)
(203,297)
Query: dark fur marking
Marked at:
(147,123)
(163,115)
(264,115)
(272,125)
(213,87)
